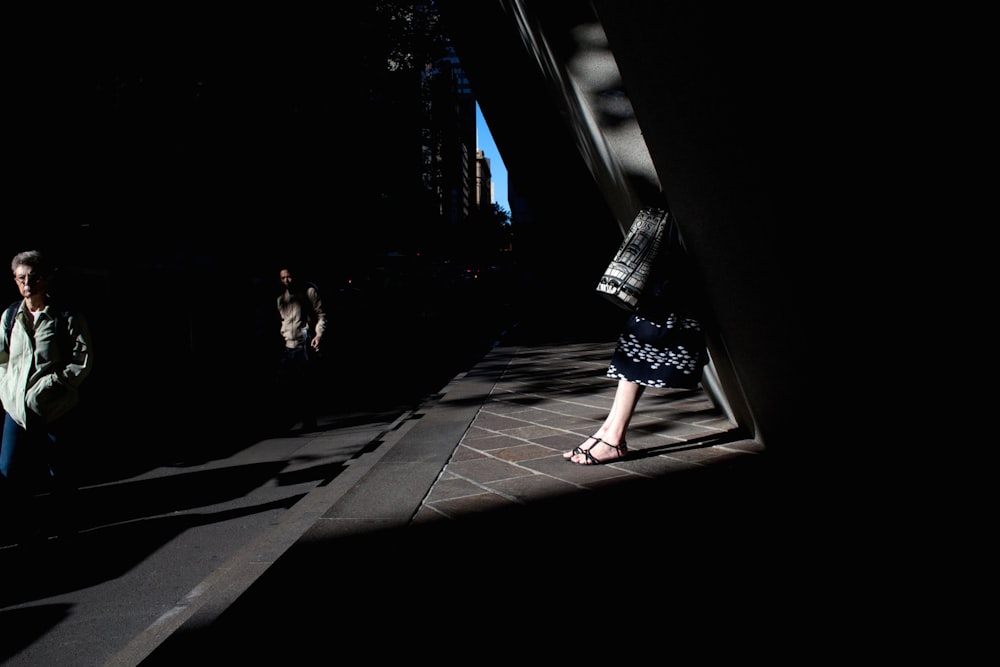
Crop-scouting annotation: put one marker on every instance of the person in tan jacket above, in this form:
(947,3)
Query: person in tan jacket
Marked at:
(303,323)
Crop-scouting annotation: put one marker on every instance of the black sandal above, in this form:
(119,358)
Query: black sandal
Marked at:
(591,461)
(578,450)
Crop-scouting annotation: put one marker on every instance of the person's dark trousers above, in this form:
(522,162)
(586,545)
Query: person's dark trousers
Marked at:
(22,465)
(298,386)
(34,461)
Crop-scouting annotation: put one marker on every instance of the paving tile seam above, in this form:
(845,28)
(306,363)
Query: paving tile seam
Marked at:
(555,413)
(480,485)
(430,507)
(486,452)
(532,473)
(506,434)
(678,440)
(673,440)
(426,501)
(458,513)
(731,447)
(590,402)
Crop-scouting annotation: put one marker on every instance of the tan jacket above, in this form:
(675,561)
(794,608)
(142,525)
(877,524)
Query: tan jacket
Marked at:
(302,316)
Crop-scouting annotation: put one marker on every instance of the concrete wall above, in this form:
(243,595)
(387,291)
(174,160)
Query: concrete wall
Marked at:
(731,105)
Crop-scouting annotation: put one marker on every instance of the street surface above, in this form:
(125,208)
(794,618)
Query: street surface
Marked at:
(148,542)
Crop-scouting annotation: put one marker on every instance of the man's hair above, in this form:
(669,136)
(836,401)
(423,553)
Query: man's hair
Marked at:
(36,260)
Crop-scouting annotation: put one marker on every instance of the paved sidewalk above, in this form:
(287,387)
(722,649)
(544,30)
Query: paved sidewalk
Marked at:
(466,510)
(548,400)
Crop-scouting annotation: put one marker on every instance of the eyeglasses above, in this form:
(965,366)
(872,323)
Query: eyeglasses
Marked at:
(25,278)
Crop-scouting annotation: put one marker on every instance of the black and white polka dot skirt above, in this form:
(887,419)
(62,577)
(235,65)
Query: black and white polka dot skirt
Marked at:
(653,354)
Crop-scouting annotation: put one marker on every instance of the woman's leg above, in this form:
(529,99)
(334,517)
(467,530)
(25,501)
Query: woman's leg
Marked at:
(602,445)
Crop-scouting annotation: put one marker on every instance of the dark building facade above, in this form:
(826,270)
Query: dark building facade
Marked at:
(172,160)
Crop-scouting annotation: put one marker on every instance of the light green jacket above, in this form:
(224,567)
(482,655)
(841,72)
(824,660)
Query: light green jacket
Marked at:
(36,372)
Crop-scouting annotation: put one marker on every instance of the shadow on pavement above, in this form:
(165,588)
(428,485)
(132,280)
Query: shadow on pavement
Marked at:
(700,545)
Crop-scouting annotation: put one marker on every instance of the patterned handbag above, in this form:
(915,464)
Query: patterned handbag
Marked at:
(625,278)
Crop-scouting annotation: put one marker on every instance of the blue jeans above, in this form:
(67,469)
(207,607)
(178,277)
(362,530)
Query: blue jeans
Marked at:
(32,461)
(26,457)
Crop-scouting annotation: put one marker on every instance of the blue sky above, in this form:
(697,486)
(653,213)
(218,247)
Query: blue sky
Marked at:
(498,169)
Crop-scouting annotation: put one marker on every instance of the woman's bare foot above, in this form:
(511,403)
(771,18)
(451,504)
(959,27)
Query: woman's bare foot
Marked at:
(600,452)
(593,440)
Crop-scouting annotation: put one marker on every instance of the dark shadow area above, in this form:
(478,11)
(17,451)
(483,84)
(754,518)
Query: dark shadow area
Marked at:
(192,152)
(734,435)
(710,544)
(127,501)
(137,518)
(208,399)
(21,627)
(104,553)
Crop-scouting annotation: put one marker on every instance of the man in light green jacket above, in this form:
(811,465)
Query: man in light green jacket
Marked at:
(45,355)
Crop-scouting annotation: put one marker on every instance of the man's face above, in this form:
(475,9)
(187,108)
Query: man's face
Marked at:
(30,281)
(286,278)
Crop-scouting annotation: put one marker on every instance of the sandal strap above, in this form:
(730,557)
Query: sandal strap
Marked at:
(580,450)
(618,448)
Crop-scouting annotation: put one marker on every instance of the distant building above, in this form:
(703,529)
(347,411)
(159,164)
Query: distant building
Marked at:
(484,181)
